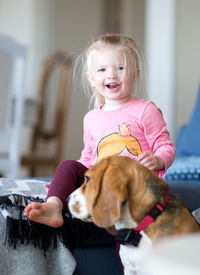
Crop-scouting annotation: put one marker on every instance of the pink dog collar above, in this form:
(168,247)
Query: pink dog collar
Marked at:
(153,214)
(133,236)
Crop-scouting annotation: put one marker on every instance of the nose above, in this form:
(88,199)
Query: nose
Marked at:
(111,73)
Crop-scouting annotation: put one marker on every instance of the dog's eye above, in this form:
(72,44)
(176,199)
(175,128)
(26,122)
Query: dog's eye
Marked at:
(87,179)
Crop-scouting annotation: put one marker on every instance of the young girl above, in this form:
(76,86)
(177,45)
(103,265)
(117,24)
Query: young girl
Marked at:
(121,123)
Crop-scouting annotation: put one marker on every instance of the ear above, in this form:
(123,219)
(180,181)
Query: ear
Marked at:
(106,192)
(107,211)
(136,75)
(112,231)
(90,79)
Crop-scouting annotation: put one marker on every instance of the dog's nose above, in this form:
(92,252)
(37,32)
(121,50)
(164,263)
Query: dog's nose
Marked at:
(88,219)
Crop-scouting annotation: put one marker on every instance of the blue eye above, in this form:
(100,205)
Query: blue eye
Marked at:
(121,68)
(101,70)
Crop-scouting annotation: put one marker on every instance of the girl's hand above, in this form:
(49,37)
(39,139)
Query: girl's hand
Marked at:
(47,185)
(152,162)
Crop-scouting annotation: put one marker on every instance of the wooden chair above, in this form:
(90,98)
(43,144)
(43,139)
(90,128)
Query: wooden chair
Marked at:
(47,143)
(13,61)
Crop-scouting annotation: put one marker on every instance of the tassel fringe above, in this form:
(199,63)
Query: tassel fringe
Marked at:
(73,233)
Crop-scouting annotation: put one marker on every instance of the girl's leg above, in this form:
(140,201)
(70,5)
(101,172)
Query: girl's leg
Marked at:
(69,176)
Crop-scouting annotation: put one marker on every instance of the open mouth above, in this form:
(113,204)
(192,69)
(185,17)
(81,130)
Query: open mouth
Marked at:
(113,86)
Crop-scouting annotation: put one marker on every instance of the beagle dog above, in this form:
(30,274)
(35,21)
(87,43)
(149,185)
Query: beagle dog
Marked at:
(120,193)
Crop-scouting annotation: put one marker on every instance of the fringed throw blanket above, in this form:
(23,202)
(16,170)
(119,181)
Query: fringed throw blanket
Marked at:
(15,194)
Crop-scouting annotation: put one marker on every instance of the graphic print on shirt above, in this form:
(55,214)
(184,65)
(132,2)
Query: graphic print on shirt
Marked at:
(120,143)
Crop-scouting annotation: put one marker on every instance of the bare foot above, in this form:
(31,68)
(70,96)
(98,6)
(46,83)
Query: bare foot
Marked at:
(48,213)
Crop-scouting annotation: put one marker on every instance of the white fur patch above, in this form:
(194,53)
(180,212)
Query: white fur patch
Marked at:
(77,205)
(131,256)
(125,220)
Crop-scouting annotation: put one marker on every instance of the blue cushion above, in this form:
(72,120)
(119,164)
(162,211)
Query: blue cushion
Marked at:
(188,142)
(184,168)
(180,136)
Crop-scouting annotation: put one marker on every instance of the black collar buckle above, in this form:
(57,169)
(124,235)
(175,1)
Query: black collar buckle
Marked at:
(128,236)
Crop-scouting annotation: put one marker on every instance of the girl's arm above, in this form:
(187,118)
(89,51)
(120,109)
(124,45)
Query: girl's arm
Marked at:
(86,154)
(162,150)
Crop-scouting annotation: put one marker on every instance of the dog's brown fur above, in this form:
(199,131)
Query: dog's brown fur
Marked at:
(114,180)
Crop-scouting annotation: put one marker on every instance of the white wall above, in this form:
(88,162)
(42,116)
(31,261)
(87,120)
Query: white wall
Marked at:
(29,23)
(187,58)
(16,20)
(160,53)
(133,20)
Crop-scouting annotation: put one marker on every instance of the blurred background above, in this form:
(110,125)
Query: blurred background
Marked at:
(167,32)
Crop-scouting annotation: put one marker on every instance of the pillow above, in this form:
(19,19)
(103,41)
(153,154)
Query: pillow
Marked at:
(180,136)
(184,168)
(188,142)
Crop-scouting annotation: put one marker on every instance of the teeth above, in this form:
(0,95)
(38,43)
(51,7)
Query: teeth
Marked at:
(112,85)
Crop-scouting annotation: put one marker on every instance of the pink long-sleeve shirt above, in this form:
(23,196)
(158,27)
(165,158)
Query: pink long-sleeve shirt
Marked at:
(130,130)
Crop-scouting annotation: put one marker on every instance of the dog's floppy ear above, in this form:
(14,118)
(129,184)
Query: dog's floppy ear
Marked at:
(107,208)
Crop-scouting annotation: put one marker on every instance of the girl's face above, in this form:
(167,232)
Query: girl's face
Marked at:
(110,75)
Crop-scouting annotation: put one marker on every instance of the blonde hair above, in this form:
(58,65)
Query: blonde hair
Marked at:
(132,55)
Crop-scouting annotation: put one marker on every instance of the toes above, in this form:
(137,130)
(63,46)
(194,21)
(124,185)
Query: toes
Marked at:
(30,207)
(27,209)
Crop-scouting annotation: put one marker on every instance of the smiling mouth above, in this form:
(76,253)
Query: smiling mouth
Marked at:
(112,86)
